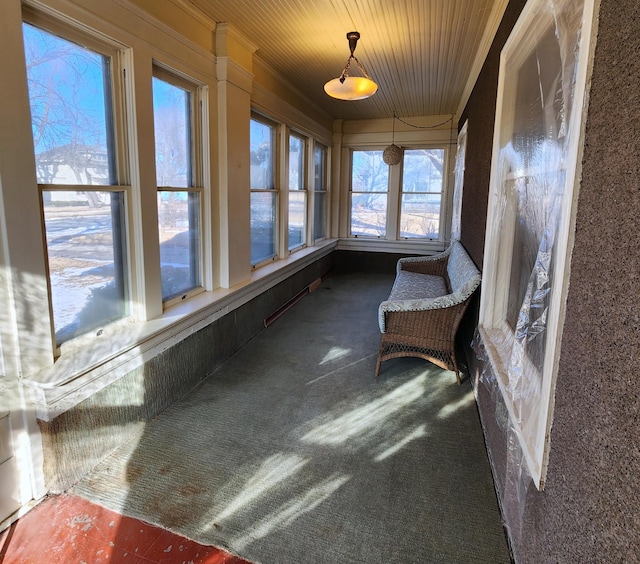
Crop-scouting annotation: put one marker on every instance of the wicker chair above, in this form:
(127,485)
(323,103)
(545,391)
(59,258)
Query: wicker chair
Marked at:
(428,299)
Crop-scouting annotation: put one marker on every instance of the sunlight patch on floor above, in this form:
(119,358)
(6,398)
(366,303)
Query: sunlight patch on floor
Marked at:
(341,368)
(273,471)
(361,419)
(335,353)
(464,402)
(292,510)
(417,433)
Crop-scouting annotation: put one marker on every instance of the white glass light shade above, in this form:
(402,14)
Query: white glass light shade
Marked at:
(353,88)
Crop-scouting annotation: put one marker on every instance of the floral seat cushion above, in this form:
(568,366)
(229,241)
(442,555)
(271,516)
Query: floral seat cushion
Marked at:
(416,286)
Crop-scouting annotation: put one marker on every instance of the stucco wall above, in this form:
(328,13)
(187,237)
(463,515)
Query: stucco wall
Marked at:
(590,508)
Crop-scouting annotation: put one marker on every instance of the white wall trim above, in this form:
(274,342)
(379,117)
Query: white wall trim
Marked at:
(265,101)
(483,50)
(195,13)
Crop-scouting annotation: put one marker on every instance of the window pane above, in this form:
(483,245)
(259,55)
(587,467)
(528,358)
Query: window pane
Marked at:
(319,215)
(369,186)
(262,156)
(296,163)
(85,248)
(179,231)
(171,120)
(69,93)
(263,222)
(369,214)
(422,174)
(263,204)
(319,158)
(320,196)
(369,173)
(420,215)
(297,196)
(297,213)
(422,170)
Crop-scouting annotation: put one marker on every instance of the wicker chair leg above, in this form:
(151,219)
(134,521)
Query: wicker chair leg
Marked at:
(456,369)
(378,366)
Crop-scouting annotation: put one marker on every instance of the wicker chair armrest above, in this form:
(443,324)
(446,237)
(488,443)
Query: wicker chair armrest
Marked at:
(434,264)
(441,302)
(429,326)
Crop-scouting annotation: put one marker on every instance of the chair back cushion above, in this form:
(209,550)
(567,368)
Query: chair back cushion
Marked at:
(464,277)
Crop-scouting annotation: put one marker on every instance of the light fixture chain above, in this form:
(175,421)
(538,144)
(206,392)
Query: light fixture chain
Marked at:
(345,71)
(361,67)
(356,87)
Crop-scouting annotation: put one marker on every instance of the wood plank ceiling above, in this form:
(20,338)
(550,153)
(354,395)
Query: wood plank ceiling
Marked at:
(424,54)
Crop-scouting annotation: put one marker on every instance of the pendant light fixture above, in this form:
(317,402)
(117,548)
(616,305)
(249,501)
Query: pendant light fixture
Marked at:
(347,87)
(392,155)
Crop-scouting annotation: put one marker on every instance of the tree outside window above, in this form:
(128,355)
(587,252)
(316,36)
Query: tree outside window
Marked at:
(421,198)
(320,192)
(70,93)
(264,197)
(369,193)
(297,193)
(179,200)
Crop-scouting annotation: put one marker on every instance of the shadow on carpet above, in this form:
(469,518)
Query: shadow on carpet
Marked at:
(293,452)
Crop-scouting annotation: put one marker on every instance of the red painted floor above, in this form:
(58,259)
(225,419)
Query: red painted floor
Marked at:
(67,529)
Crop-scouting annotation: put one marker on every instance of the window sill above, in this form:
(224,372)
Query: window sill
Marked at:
(373,244)
(97,361)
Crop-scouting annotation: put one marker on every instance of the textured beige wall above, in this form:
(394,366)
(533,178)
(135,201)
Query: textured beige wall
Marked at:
(590,510)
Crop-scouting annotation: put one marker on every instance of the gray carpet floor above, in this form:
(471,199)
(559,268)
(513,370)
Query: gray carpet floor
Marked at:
(293,452)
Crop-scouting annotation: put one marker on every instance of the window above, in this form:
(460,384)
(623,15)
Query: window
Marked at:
(369,194)
(297,192)
(264,196)
(71,93)
(179,184)
(421,198)
(320,192)
(534,171)
(399,202)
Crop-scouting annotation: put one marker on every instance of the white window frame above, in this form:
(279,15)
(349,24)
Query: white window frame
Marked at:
(313,190)
(394,197)
(390,211)
(121,161)
(530,422)
(282,135)
(442,193)
(304,180)
(276,190)
(197,102)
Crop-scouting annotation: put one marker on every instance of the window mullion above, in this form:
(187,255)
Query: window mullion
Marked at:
(282,190)
(393,204)
(310,190)
(147,288)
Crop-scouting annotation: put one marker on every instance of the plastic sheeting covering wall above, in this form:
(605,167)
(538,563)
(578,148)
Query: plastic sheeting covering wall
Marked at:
(461,153)
(537,146)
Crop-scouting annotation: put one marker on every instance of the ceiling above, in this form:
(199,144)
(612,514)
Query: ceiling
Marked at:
(424,54)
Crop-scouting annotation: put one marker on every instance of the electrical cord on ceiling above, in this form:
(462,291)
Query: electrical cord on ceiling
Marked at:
(422,126)
(392,155)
